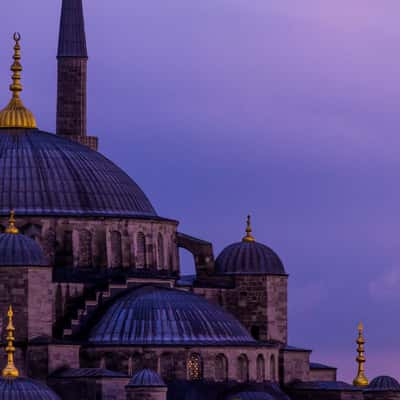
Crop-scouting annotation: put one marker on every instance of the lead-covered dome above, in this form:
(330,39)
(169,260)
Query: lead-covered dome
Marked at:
(44,174)
(20,250)
(25,389)
(248,257)
(383,383)
(146,377)
(156,315)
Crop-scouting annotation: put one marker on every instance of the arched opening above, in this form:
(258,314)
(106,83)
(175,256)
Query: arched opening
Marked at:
(243,368)
(64,250)
(160,251)
(255,332)
(141,261)
(272,368)
(116,249)
(195,367)
(49,245)
(187,264)
(85,248)
(260,368)
(167,368)
(221,368)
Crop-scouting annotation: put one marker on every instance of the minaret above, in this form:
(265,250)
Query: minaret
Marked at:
(360,379)
(10,371)
(72,75)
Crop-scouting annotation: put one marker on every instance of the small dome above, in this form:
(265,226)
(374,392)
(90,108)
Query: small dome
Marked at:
(25,389)
(381,383)
(157,315)
(146,377)
(250,258)
(20,250)
(251,396)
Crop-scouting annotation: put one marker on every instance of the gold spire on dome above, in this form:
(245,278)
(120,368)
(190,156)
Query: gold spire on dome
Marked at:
(11,224)
(16,115)
(361,379)
(249,237)
(10,371)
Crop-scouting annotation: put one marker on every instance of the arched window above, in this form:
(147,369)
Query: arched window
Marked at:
(221,368)
(195,367)
(49,245)
(160,249)
(64,251)
(260,368)
(141,250)
(242,368)
(167,369)
(272,368)
(116,249)
(85,248)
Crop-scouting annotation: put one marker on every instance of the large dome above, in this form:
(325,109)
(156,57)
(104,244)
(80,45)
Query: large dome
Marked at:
(44,174)
(155,315)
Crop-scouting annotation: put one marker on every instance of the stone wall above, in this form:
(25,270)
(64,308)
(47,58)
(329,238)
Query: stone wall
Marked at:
(146,393)
(259,302)
(82,242)
(384,395)
(324,374)
(294,365)
(216,363)
(29,290)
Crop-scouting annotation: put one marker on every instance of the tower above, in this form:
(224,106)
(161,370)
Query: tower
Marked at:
(72,60)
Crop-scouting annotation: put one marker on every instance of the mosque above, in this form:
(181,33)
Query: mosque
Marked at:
(92,302)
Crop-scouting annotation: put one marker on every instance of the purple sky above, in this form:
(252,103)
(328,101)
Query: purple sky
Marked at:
(285,109)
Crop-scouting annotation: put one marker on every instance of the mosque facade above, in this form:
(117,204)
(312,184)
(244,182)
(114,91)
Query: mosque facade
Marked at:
(92,300)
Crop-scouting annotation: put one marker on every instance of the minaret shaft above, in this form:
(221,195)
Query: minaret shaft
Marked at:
(72,75)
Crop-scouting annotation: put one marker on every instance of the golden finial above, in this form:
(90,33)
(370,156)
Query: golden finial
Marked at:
(10,371)
(11,224)
(249,237)
(361,379)
(16,115)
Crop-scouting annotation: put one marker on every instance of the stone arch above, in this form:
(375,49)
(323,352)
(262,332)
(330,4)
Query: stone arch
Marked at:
(243,368)
(116,249)
(167,367)
(221,368)
(260,368)
(272,368)
(85,248)
(201,250)
(195,367)
(160,251)
(141,259)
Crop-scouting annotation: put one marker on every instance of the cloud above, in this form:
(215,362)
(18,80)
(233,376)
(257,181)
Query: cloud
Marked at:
(386,287)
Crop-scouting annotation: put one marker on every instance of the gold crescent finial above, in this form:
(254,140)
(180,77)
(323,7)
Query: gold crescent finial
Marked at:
(10,371)
(11,224)
(16,115)
(249,237)
(360,379)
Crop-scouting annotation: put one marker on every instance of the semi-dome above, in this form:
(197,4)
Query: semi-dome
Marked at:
(44,174)
(25,389)
(156,315)
(248,257)
(382,383)
(146,377)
